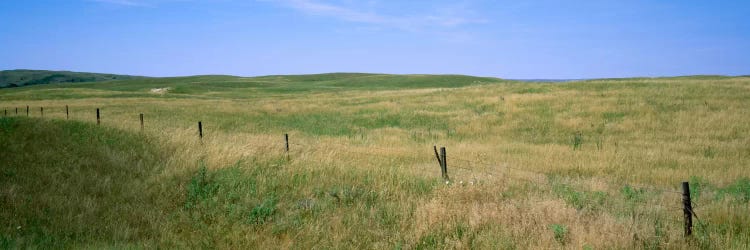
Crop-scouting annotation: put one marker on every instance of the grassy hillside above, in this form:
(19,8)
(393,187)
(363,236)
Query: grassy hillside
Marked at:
(593,164)
(74,184)
(217,86)
(18,78)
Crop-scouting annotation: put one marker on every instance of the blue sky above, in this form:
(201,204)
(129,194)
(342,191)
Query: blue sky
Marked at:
(508,39)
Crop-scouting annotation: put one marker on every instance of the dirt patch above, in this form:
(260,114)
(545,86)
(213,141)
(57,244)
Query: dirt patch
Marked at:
(160,90)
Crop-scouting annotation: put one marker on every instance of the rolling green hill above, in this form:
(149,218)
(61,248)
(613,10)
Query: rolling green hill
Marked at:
(223,86)
(22,77)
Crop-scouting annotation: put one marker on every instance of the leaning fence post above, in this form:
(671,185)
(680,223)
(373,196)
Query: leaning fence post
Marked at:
(444,164)
(687,209)
(141,116)
(440,162)
(97,117)
(67,114)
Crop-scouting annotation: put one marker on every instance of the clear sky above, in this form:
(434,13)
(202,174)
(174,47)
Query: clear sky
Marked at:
(508,39)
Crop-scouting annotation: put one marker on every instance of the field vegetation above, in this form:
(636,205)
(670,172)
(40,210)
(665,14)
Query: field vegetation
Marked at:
(593,164)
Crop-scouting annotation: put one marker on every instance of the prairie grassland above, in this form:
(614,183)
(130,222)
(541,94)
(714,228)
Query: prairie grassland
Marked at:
(361,172)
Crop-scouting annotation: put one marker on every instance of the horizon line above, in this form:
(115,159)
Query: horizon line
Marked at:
(380,73)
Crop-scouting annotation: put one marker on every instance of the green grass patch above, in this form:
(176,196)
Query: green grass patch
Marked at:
(579,199)
(739,191)
(560,233)
(532,91)
(75,184)
(345,124)
(613,116)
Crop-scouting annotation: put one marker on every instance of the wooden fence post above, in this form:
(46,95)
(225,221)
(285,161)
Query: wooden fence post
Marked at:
(687,209)
(41,111)
(141,116)
(27,110)
(441,158)
(444,164)
(97,117)
(286,142)
(286,146)
(67,114)
(6,112)
(16,110)
(200,130)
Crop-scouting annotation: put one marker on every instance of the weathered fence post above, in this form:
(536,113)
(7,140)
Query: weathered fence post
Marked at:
(16,110)
(444,164)
(141,116)
(67,114)
(687,209)
(286,142)
(200,130)
(27,110)
(41,111)
(6,112)
(441,160)
(286,146)
(98,121)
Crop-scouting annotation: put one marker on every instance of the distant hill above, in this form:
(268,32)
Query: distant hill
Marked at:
(22,77)
(546,80)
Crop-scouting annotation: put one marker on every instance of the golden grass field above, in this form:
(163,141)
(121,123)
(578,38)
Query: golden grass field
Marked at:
(361,172)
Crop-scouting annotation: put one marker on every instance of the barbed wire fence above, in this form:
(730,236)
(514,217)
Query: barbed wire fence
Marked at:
(489,169)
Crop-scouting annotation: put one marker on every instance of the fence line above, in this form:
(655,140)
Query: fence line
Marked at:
(688,207)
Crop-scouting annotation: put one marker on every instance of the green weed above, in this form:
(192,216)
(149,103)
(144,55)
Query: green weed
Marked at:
(560,232)
(633,194)
(581,200)
(263,211)
(577,140)
(200,190)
